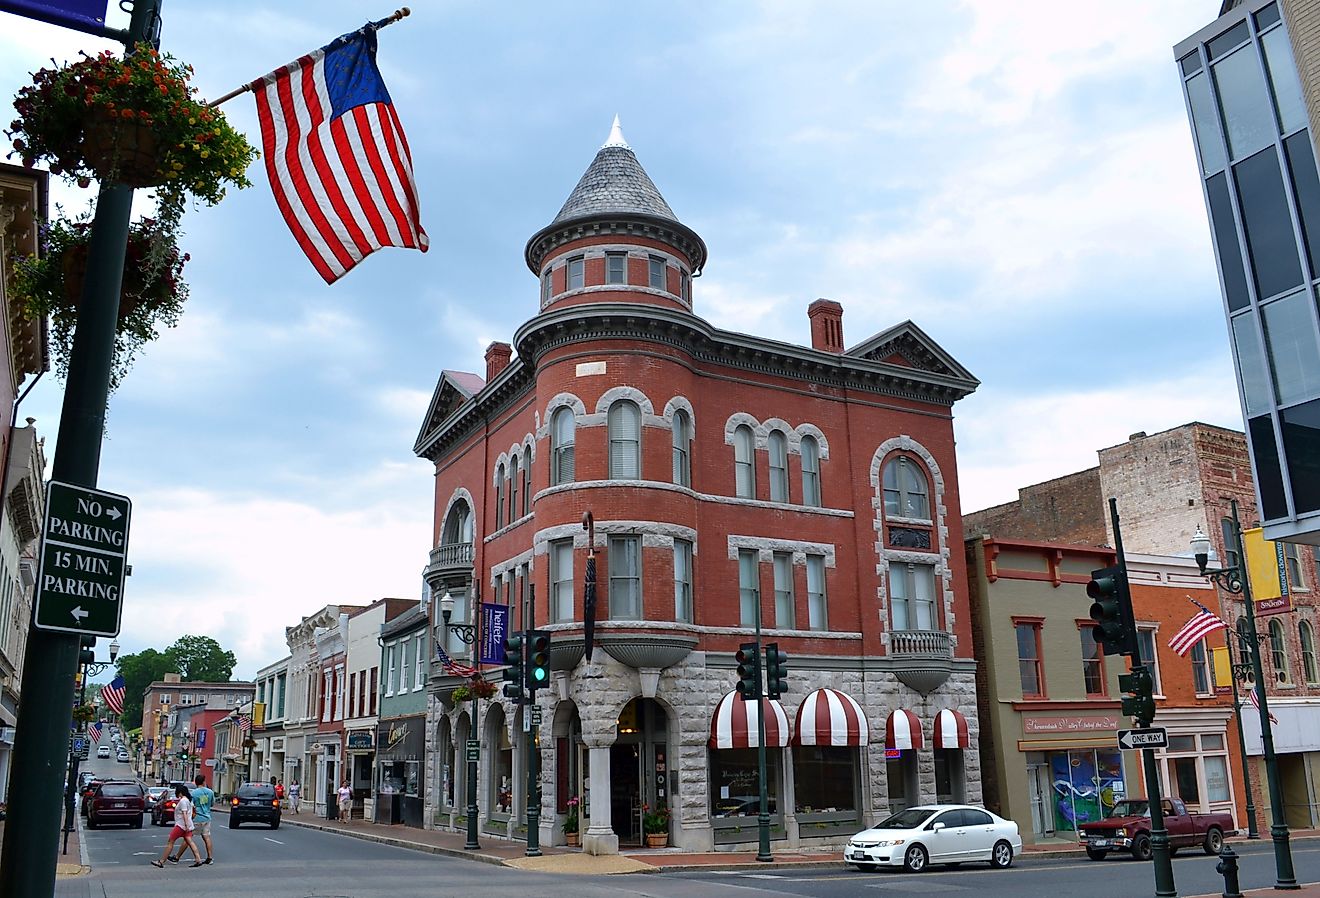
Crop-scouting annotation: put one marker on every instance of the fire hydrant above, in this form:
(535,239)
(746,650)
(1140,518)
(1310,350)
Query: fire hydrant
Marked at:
(1228,868)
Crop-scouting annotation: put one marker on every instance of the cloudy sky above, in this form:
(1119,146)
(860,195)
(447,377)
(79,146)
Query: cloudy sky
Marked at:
(1016,178)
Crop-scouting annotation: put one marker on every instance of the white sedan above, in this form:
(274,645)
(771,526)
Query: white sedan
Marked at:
(935,834)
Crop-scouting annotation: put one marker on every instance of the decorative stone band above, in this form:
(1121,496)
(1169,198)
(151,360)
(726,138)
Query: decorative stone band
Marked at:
(734,724)
(830,717)
(903,730)
(950,730)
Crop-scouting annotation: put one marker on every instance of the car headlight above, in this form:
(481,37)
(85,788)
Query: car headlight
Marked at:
(1081,834)
(1122,831)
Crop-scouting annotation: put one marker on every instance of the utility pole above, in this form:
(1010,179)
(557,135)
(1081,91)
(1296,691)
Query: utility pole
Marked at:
(41,745)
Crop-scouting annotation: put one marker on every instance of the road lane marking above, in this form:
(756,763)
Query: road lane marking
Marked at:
(276,841)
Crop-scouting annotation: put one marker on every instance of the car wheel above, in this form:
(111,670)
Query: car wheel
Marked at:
(915,859)
(1214,841)
(137,824)
(1001,856)
(233,822)
(1173,852)
(275,825)
(91,822)
(1096,854)
(1141,847)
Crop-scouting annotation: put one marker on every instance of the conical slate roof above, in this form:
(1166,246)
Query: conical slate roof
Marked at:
(615,182)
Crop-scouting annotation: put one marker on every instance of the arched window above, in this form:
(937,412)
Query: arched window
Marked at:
(1307,637)
(1279,652)
(514,483)
(810,472)
(458,525)
(905,490)
(682,428)
(499,496)
(625,426)
(527,482)
(562,428)
(744,464)
(778,467)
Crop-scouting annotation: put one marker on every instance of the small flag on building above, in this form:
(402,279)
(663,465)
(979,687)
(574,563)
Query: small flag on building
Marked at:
(336,156)
(244,723)
(1255,703)
(1202,624)
(113,695)
(95,731)
(452,667)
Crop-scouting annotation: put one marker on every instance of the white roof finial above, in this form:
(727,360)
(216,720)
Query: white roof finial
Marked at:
(616,137)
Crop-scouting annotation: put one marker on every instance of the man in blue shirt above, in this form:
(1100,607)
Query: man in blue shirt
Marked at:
(202,798)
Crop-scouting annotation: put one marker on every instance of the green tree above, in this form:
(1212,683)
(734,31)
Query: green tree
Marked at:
(200,659)
(139,671)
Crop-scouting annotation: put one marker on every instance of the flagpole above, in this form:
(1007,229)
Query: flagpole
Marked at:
(396,16)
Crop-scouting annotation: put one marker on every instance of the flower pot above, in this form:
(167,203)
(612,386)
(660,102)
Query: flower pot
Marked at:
(573,839)
(74,264)
(122,150)
(657,840)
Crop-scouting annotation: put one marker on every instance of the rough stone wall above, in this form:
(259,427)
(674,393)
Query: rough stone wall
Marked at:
(1302,18)
(1064,510)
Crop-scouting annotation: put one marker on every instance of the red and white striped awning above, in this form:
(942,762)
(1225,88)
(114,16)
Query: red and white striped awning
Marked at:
(734,724)
(903,730)
(950,730)
(831,717)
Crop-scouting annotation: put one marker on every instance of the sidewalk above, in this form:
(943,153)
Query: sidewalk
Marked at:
(68,865)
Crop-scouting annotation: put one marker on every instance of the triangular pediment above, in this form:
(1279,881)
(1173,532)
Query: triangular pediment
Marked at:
(452,391)
(908,346)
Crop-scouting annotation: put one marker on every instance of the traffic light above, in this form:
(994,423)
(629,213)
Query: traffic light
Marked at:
(1140,703)
(776,671)
(1112,611)
(514,644)
(86,650)
(749,672)
(538,660)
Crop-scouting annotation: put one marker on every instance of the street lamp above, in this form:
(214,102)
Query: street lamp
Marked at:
(468,634)
(1235,580)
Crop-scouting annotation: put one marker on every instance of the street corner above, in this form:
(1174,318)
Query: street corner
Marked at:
(581,864)
(69,871)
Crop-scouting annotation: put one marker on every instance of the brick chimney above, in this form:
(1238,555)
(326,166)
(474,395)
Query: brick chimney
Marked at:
(826,325)
(497,359)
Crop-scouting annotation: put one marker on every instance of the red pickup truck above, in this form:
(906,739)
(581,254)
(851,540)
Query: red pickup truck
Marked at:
(1127,828)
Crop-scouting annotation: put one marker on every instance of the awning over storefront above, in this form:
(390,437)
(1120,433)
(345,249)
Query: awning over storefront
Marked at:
(830,717)
(734,724)
(903,730)
(950,730)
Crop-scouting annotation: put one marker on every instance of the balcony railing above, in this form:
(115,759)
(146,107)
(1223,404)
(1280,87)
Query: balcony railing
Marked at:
(452,555)
(920,643)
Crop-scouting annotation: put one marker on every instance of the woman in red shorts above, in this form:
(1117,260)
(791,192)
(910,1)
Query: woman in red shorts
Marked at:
(183,829)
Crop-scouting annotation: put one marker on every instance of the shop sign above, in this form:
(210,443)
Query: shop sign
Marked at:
(1069,724)
(360,739)
(1279,605)
(893,754)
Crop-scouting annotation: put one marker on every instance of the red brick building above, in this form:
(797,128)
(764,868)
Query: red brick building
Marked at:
(729,476)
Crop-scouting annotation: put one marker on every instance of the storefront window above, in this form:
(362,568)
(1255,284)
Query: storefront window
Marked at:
(949,785)
(1184,774)
(734,789)
(1085,784)
(825,779)
(391,777)
(501,780)
(1216,778)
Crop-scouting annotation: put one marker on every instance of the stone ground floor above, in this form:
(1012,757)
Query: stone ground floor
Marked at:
(676,750)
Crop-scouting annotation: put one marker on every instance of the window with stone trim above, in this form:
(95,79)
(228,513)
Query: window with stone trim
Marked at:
(778,446)
(1093,660)
(576,273)
(1031,670)
(515,481)
(810,450)
(682,436)
(561,580)
(545,287)
(655,268)
(905,489)
(749,587)
(1279,652)
(500,483)
(744,462)
(785,600)
(683,611)
(625,434)
(912,596)
(563,429)
(817,605)
(625,561)
(1307,638)
(616,268)
(527,482)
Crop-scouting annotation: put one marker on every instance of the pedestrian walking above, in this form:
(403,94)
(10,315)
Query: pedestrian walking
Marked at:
(202,801)
(279,789)
(345,802)
(183,829)
(295,793)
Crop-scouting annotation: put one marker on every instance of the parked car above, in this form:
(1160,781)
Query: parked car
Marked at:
(1127,828)
(86,793)
(163,813)
(116,801)
(122,757)
(935,834)
(254,803)
(103,751)
(156,794)
(84,777)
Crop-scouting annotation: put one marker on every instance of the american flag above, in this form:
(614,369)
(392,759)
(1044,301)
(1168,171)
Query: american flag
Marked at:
(244,723)
(1202,624)
(457,668)
(95,731)
(113,695)
(336,155)
(1255,703)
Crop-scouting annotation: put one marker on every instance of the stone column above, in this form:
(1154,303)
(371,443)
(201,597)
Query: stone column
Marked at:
(600,837)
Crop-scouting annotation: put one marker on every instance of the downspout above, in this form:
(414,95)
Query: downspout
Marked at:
(9,443)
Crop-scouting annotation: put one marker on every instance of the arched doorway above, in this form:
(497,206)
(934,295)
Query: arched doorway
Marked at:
(641,774)
(444,774)
(570,760)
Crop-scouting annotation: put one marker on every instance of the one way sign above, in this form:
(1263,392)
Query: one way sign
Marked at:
(1151,737)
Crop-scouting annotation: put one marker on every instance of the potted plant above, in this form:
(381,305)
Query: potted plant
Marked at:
(571,833)
(655,824)
(84,713)
(474,688)
(153,292)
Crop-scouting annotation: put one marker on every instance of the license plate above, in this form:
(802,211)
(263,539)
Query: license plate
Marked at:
(1099,843)
(858,855)
(119,804)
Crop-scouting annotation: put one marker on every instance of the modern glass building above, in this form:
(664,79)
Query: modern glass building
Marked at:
(1254,146)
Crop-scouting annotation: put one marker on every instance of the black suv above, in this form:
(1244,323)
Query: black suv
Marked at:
(254,802)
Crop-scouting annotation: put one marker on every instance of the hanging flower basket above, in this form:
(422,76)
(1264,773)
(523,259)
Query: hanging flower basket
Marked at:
(474,688)
(125,146)
(152,294)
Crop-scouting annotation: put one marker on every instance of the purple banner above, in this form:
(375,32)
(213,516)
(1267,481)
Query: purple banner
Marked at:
(151,744)
(81,15)
(201,739)
(494,630)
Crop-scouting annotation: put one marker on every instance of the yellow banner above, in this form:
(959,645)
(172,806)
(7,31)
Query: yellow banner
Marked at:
(258,714)
(1223,667)
(1265,566)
